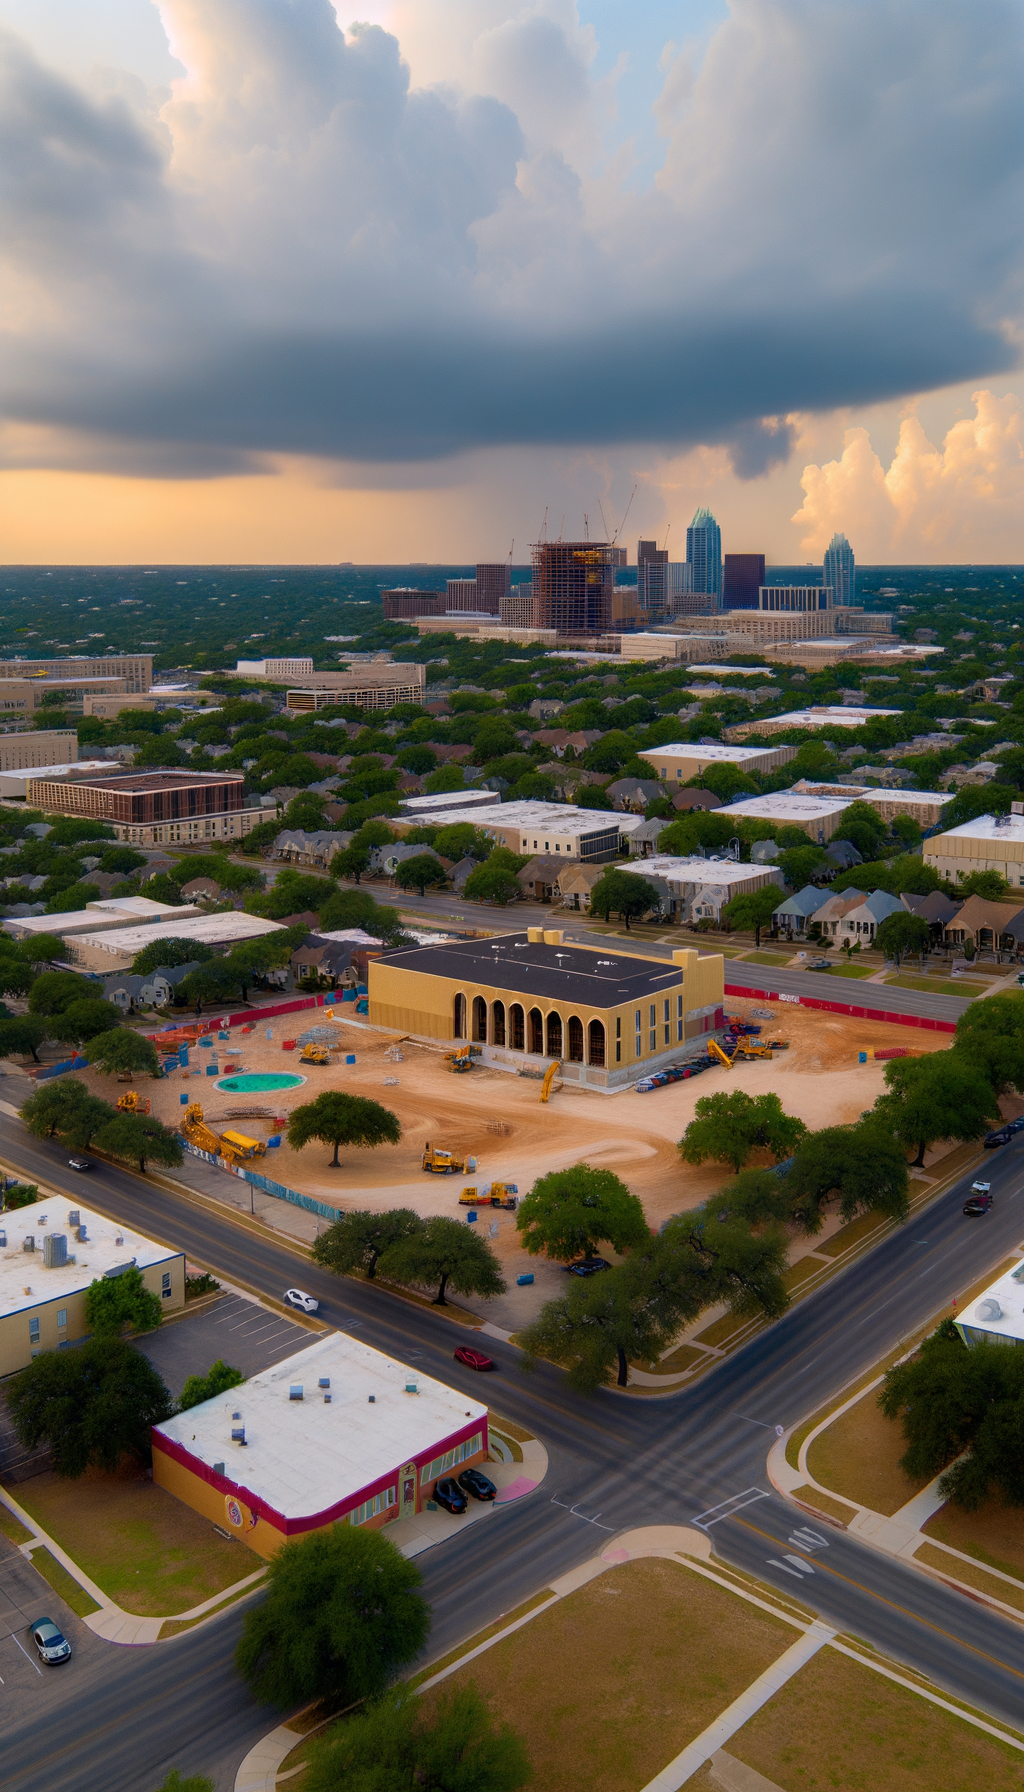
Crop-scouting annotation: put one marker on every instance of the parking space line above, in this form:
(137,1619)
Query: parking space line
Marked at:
(28,1658)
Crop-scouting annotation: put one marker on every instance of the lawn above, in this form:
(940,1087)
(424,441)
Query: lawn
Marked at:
(149,1552)
(994,1534)
(859,1456)
(610,1683)
(961,987)
(839,1726)
(768,957)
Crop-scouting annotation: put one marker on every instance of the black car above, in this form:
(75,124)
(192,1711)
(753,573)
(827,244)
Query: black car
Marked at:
(477,1484)
(1000,1135)
(587,1266)
(79,1163)
(449,1494)
(52,1644)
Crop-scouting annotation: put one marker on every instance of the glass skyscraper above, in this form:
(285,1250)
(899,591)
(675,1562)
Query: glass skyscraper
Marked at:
(704,554)
(840,570)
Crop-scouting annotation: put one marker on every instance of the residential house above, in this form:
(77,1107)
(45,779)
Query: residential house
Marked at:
(696,798)
(862,923)
(842,855)
(154,989)
(386,859)
(764,852)
(575,884)
(461,871)
(319,957)
(993,926)
(643,841)
(316,850)
(936,908)
(543,708)
(833,911)
(792,916)
(538,880)
(201,889)
(634,794)
(558,739)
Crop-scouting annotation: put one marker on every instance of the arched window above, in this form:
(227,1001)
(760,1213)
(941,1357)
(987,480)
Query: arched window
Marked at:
(575,1037)
(554,1035)
(460,1017)
(497,1023)
(596,1031)
(480,1020)
(536,1032)
(515,1027)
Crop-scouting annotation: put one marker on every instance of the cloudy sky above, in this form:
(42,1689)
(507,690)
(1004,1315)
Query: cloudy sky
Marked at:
(280,284)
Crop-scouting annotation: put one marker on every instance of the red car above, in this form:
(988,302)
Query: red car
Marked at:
(473,1359)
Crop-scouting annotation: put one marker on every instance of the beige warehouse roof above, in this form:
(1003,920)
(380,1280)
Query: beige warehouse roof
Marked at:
(210,930)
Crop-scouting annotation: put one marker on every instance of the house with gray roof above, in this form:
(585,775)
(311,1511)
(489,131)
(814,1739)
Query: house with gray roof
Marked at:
(793,915)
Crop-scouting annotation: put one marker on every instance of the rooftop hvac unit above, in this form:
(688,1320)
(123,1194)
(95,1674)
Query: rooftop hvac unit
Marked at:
(28,1243)
(990,1309)
(238,1434)
(295,1391)
(55,1250)
(324,1382)
(74,1217)
(218,1468)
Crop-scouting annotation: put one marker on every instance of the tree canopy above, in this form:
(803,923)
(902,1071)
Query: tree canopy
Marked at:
(730,1125)
(448,1252)
(336,1118)
(624,894)
(218,1379)
(863,1165)
(66,1108)
(359,1239)
(951,1400)
(116,1304)
(941,1096)
(122,1050)
(569,1212)
(343,1613)
(753,910)
(165,954)
(22,1033)
(422,869)
(92,1406)
(899,934)
(405,1744)
(139,1139)
(991,1036)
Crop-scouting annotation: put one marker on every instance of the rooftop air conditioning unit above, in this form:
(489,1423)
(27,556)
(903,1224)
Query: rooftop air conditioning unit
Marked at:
(28,1243)
(74,1217)
(55,1250)
(295,1391)
(238,1434)
(989,1309)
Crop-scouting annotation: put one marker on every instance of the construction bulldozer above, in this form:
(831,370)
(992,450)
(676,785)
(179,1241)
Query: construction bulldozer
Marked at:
(493,1194)
(131,1102)
(234,1147)
(442,1163)
(315,1054)
(462,1059)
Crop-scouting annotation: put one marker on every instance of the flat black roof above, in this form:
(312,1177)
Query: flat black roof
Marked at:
(553,973)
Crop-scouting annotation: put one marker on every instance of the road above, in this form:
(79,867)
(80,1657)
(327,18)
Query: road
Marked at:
(616,1462)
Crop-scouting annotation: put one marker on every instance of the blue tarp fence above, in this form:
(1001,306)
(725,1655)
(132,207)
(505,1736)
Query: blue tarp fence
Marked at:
(277,1189)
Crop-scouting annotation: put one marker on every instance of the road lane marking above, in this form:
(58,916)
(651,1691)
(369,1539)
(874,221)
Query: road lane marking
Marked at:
(27,1656)
(727,1508)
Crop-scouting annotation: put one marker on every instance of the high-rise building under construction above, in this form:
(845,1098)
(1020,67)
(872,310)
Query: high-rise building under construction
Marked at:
(574,585)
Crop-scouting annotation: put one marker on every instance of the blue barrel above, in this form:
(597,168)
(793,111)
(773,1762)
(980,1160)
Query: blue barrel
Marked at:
(471,1217)
(525,1281)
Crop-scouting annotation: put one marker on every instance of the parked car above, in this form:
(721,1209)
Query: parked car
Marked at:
(477,1484)
(979,1200)
(1000,1135)
(306,1303)
(52,1644)
(586,1266)
(449,1494)
(473,1359)
(79,1163)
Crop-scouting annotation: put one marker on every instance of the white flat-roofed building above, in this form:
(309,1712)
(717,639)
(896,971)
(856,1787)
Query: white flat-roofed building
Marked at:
(923,806)
(988,843)
(15,782)
(50,1253)
(700,888)
(592,834)
(824,715)
(297,667)
(819,816)
(96,950)
(338,1433)
(997,1316)
(109,912)
(426,807)
(684,760)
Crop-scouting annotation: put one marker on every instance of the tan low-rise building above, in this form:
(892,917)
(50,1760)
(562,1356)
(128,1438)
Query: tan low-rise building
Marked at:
(824,715)
(988,843)
(529,1000)
(50,1254)
(923,806)
(683,760)
(819,816)
(33,747)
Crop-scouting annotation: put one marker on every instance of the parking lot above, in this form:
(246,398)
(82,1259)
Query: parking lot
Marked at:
(234,1328)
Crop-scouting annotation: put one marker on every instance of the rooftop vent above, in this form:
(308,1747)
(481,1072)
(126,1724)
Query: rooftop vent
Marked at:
(324,1382)
(295,1391)
(3,1238)
(218,1468)
(238,1434)
(74,1217)
(28,1243)
(120,1238)
(411,1385)
(989,1309)
(372,1399)
(41,1221)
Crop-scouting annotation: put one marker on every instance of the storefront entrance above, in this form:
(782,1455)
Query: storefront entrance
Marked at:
(407,1491)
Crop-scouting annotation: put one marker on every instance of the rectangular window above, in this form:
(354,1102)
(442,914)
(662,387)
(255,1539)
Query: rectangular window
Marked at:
(370,1508)
(654,1014)
(441,1464)
(654,1039)
(618,1039)
(679,1007)
(33,1331)
(165,1284)
(62,1317)
(679,1028)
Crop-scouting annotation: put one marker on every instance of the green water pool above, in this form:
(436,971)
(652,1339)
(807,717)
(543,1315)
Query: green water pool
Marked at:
(259,1082)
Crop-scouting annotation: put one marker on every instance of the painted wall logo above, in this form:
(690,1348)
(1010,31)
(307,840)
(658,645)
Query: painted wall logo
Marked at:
(234,1511)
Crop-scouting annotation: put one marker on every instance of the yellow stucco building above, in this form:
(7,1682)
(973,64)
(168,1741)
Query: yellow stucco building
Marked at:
(529,999)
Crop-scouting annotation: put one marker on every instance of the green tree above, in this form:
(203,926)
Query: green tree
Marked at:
(798,864)
(418,758)
(83,1020)
(753,910)
(941,1096)
(118,1304)
(907,832)
(624,894)
(53,991)
(164,955)
(729,1126)
(403,1744)
(495,881)
(863,1165)
(343,1614)
(963,1408)
(991,1036)
(218,1379)
(359,1239)
(93,1406)
(16,977)
(21,1034)
(122,1050)
(65,1107)
(416,873)
(351,862)
(19,1194)
(899,934)
(72,897)
(569,1212)
(140,1139)
(339,1119)
(991,885)
(444,1251)
(864,828)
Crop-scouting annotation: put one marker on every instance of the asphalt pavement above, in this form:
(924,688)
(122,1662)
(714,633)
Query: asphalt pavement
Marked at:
(127,1715)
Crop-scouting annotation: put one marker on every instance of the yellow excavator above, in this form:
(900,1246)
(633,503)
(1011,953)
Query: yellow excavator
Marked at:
(234,1147)
(552,1072)
(315,1054)
(131,1102)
